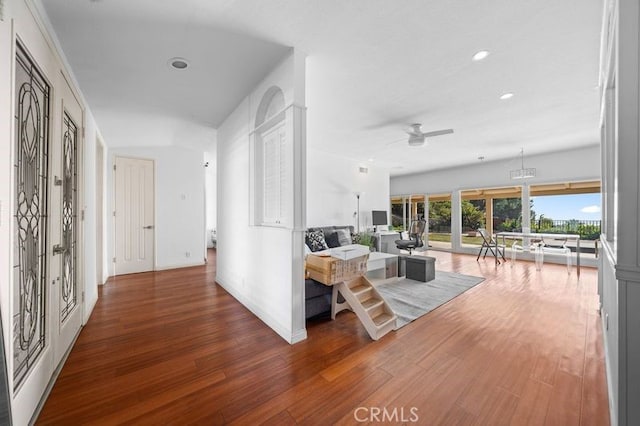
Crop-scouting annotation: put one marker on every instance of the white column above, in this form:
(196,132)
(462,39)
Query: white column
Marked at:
(426,219)
(299,130)
(526,212)
(456,221)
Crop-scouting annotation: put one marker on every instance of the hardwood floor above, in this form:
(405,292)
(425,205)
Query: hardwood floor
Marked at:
(172,347)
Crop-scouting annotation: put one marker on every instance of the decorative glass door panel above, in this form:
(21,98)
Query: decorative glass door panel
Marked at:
(69,292)
(31,208)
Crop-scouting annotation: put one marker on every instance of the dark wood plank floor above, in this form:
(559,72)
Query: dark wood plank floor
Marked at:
(523,347)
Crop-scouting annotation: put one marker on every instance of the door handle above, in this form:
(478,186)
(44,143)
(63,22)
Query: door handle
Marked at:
(58,249)
(148,227)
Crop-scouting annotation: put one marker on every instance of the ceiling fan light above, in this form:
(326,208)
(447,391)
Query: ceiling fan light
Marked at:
(523,173)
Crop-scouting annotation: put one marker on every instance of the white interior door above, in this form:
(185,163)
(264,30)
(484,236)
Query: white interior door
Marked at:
(134,215)
(66,226)
(32,348)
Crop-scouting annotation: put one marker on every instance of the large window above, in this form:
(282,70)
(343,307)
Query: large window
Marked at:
(568,208)
(495,209)
(404,209)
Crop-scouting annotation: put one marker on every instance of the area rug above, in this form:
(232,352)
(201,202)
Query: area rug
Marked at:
(411,299)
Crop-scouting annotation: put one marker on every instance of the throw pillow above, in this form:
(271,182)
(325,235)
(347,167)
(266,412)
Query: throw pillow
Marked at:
(315,240)
(344,237)
(355,238)
(332,240)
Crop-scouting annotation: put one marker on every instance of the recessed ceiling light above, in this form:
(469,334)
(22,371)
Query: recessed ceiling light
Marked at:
(178,63)
(506,96)
(480,55)
(371,160)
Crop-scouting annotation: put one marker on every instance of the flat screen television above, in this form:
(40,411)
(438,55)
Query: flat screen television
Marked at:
(379,217)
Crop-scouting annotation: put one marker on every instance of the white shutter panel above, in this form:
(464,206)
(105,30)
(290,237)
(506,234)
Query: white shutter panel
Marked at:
(275,181)
(283,169)
(271,167)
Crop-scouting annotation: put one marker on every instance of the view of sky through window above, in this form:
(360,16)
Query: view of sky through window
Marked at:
(566,207)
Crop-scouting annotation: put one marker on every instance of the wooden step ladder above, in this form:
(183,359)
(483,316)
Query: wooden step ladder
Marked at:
(363,299)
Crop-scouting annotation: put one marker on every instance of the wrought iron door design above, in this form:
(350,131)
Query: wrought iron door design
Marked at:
(69,216)
(31,207)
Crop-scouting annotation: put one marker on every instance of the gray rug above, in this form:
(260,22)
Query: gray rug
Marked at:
(411,299)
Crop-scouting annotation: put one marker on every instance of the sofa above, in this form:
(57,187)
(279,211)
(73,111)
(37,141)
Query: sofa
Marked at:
(317,295)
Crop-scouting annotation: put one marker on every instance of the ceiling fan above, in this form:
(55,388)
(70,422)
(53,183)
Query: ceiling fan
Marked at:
(417,136)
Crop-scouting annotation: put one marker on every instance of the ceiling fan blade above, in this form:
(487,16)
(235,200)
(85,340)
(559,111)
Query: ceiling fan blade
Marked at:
(397,141)
(437,133)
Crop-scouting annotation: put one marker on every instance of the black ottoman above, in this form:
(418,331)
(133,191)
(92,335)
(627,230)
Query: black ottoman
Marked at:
(420,268)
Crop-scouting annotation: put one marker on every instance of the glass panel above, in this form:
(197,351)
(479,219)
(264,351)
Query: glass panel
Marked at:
(440,222)
(69,217)
(507,214)
(396,215)
(569,214)
(31,168)
(473,217)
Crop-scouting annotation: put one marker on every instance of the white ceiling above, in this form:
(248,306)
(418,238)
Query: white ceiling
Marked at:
(374,67)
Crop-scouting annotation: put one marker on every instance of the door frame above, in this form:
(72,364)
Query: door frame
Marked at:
(114,232)
(100,209)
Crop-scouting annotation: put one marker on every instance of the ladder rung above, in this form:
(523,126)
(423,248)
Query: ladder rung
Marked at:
(371,303)
(360,289)
(383,319)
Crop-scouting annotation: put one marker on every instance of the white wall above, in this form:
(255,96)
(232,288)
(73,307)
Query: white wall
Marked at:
(573,165)
(261,266)
(179,204)
(619,277)
(131,127)
(331,185)
(210,194)
(89,207)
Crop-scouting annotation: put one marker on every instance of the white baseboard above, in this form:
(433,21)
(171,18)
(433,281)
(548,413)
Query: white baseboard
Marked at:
(52,380)
(274,324)
(182,265)
(613,414)
(87,312)
(299,336)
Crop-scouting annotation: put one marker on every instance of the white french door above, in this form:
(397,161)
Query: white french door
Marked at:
(66,225)
(134,215)
(46,291)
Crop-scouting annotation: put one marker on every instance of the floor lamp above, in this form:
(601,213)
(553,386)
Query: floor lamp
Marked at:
(358,194)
